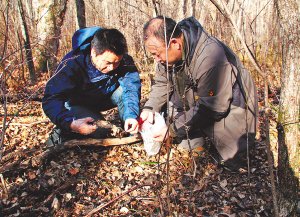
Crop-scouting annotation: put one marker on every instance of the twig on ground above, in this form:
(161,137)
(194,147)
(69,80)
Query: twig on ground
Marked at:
(30,124)
(145,182)
(60,189)
(19,153)
(3,185)
(9,166)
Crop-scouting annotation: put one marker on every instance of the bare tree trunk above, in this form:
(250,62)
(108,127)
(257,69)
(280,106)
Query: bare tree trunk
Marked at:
(184,2)
(27,46)
(80,11)
(22,75)
(288,116)
(3,88)
(51,14)
(227,14)
(193,8)
(156,7)
(6,18)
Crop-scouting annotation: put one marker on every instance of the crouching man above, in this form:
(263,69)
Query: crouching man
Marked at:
(95,76)
(211,94)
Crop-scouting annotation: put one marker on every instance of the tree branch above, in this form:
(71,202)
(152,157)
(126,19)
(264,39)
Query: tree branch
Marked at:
(228,15)
(148,181)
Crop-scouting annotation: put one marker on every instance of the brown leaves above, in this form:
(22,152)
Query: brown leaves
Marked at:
(101,174)
(73,171)
(31,175)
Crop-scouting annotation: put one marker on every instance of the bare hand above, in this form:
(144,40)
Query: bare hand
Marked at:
(161,135)
(131,125)
(147,116)
(83,126)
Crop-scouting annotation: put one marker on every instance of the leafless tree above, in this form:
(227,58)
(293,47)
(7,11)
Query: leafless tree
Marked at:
(50,16)
(27,46)
(80,9)
(288,116)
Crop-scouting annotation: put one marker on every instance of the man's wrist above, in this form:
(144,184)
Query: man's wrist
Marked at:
(67,123)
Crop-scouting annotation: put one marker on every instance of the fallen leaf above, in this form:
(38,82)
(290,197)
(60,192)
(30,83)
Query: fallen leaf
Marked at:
(138,169)
(124,210)
(67,196)
(73,171)
(241,195)
(223,183)
(51,181)
(31,175)
(55,203)
(19,180)
(95,156)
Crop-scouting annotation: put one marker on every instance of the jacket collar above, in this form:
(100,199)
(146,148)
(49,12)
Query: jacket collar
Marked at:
(192,31)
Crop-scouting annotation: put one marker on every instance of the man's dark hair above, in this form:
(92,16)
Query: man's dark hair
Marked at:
(156,27)
(109,39)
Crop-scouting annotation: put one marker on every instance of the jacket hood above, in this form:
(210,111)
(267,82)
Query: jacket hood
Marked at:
(83,37)
(192,31)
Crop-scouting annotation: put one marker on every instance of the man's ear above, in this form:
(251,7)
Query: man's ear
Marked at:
(175,43)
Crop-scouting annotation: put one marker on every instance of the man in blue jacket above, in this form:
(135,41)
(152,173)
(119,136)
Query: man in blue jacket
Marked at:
(95,76)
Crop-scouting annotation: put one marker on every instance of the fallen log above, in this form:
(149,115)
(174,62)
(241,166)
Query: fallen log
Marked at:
(103,142)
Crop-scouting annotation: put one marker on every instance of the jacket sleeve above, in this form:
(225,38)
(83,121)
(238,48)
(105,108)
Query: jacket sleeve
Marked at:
(131,86)
(58,89)
(214,96)
(159,89)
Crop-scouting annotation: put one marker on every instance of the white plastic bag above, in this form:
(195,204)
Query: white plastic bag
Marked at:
(152,147)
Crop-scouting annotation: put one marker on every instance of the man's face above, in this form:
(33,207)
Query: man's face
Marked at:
(157,49)
(105,62)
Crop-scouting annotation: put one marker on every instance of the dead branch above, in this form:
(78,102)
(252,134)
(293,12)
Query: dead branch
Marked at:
(2,133)
(97,209)
(103,142)
(13,98)
(148,181)
(15,154)
(58,190)
(228,15)
(9,166)
(30,124)
(4,187)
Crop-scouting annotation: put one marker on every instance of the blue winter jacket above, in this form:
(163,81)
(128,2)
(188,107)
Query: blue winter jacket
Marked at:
(76,80)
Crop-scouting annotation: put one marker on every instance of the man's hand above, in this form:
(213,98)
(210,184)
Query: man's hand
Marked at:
(83,126)
(131,125)
(147,116)
(160,135)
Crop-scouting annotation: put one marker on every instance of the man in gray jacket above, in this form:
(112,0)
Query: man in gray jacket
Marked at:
(210,92)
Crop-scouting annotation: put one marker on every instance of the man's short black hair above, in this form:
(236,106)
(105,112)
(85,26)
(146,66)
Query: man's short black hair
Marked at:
(109,39)
(156,27)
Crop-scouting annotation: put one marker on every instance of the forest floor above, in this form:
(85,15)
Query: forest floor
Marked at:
(122,180)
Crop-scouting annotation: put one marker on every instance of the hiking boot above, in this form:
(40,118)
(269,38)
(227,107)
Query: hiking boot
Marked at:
(56,139)
(233,165)
(192,144)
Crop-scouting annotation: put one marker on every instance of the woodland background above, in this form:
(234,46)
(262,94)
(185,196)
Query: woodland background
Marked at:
(36,34)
